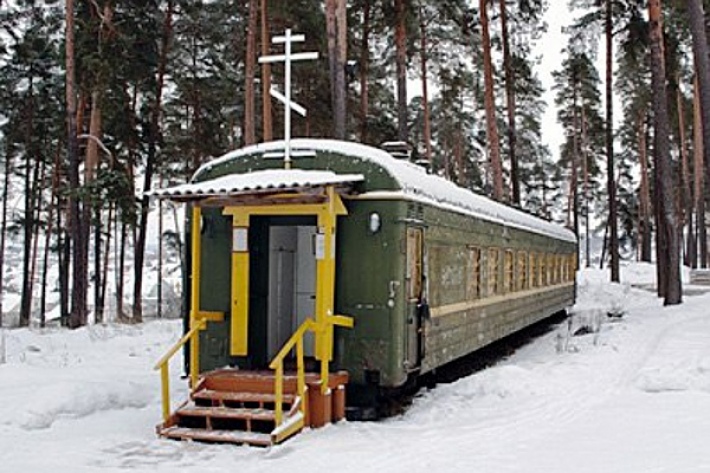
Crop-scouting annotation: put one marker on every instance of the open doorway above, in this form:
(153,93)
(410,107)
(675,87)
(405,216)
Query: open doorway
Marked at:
(291,284)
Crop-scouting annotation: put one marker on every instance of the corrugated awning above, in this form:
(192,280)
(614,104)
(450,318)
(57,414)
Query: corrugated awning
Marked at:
(257,182)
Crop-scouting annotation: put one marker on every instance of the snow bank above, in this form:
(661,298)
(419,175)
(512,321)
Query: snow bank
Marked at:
(633,397)
(52,374)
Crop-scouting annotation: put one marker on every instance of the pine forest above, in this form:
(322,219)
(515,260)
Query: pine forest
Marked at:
(103,100)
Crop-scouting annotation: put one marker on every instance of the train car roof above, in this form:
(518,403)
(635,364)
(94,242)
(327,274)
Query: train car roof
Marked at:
(414,184)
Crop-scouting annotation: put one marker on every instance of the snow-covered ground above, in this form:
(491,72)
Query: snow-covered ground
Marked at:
(632,397)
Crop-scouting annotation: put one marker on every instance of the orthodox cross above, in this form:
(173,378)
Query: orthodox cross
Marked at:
(288,39)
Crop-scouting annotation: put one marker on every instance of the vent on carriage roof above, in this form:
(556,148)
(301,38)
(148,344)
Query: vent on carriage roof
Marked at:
(398,149)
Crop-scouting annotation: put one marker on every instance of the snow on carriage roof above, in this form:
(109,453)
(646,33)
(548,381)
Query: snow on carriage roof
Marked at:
(415,184)
(266,180)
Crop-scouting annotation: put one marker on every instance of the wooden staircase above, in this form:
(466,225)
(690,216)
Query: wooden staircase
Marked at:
(235,406)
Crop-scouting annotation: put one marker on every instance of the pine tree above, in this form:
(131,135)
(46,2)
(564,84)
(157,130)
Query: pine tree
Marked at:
(667,244)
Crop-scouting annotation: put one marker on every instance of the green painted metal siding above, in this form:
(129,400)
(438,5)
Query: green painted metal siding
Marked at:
(370,274)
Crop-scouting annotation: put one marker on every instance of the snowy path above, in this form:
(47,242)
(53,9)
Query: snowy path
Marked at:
(633,398)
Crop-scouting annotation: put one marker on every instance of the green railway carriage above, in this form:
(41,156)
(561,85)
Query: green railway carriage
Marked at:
(424,272)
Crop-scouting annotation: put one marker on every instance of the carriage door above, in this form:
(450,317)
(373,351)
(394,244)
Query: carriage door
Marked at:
(415,291)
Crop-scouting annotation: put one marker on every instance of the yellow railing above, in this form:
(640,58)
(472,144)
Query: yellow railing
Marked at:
(296,341)
(277,364)
(162,365)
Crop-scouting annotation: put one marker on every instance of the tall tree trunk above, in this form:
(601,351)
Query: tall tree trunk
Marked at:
(364,71)
(611,182)
(585,190)
(510,102)
(28,223)
(90,173)
(645,197)
(249,73)
(53,205)
(335,13)
(77,317)
(400,39)
(266,74)
(699,184)
(341,25)
(668,244)
(425,85)
(332,39)
(3,223)
(38,177)
(696,14)
(121,264)
(160,255)
(686,193)
(63,254)
(574,165)
(491,125)
(104,265)
(150,166)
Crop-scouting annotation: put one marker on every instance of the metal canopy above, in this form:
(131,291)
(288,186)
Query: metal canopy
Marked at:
(257,182)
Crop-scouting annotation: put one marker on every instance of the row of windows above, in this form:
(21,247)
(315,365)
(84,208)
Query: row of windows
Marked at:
(508,270)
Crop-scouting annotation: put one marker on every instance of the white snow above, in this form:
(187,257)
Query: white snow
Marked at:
(414,183)
(270,179)
(633,397)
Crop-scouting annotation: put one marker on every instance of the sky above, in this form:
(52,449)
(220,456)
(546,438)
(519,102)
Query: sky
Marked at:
(550,50)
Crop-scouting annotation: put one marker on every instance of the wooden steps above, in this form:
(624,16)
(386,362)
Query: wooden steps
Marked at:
(239,407)
(242,398)
(217,436)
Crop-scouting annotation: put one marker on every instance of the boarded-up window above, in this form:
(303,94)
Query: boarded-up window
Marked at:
(414,263)
(508,271)
(533,271)
(493,277)
(550,266)
(542,269)
(474,274)
(521,279)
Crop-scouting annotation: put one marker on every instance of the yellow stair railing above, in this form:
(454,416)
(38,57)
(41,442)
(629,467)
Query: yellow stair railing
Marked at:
(285,429)
(162,365)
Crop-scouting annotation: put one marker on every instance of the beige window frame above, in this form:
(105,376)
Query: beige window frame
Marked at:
(474,275)
(521,276)
(493,277)
(508,271)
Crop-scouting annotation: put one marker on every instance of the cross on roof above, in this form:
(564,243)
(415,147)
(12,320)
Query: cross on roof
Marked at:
(285,98)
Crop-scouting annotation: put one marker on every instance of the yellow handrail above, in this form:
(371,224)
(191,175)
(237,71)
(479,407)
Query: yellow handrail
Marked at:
(277,364)
(296,341)
(162,365)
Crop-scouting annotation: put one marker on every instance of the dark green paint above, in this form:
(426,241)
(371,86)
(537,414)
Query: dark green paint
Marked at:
(370,272)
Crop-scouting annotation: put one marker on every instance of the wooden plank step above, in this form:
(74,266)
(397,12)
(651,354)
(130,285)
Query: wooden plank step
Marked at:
(240,413)
(217,436)
(231,396)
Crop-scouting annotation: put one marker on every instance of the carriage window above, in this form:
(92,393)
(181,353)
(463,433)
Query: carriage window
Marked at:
(474,275)
(414,263)
(522,271)
(550,266)
(533,271)
(542,270)
(575,261)
(508,272)
(564,264)
(493,278)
